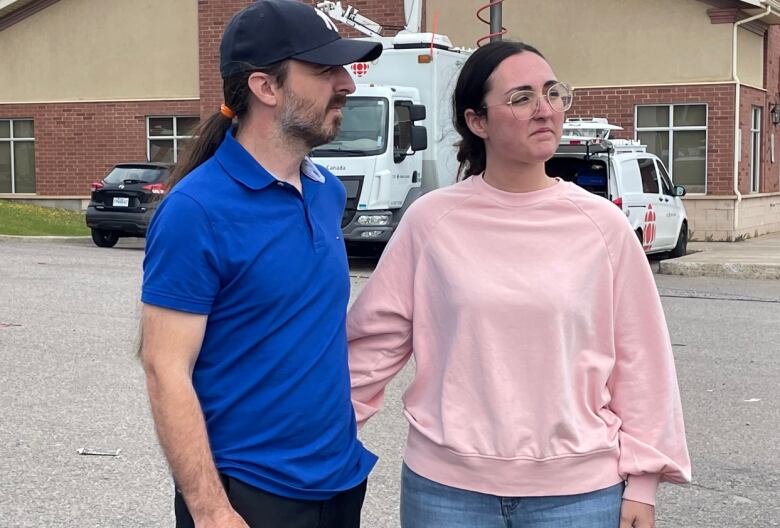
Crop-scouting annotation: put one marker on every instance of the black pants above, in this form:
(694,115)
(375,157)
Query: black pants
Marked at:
(265,510)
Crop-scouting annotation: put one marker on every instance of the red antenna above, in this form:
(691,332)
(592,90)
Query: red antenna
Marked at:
(435,26)
(496,29)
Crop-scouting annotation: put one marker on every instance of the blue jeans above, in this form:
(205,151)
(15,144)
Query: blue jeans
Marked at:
(428,504)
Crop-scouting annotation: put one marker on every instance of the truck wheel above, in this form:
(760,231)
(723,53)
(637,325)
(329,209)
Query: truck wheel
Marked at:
(104,239)
(682,243)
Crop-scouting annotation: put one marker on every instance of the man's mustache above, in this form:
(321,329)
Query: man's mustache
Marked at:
(338,101)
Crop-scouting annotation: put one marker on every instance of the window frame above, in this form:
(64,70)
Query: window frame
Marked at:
(671,129)
(755,148)
(11,140)
(175,137)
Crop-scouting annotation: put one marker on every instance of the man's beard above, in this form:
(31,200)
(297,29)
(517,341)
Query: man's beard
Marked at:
(299,121)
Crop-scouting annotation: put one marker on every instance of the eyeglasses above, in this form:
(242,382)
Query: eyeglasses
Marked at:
(525,103)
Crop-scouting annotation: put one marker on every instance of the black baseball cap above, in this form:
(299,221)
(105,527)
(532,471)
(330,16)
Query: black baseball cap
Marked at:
(269,31)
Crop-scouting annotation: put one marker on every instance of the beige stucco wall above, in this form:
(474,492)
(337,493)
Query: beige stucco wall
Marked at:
(608,42)
(77,50)
(750,58)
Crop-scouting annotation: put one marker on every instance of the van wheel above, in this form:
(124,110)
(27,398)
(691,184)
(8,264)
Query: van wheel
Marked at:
(682,243)
(104,239)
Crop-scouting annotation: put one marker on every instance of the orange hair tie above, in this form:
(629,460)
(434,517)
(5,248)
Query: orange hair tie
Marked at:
(226,111)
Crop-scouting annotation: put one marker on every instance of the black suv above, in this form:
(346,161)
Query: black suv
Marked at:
(123,203)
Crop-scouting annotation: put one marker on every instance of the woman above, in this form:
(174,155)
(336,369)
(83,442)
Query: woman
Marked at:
(545,393)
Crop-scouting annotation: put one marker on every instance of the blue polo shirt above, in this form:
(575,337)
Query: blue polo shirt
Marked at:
(269,268)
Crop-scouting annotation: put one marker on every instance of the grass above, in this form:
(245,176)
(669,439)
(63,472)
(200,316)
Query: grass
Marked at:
(34,220)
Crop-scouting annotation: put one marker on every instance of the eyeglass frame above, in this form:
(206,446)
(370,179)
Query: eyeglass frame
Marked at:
(545,95)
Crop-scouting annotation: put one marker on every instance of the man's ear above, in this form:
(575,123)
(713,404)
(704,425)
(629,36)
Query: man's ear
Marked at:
(265,88)
(476,123)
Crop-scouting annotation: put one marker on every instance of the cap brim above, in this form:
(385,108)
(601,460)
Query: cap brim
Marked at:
(341,52)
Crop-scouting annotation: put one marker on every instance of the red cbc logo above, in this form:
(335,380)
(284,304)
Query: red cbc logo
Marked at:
(360,69)
(649,229)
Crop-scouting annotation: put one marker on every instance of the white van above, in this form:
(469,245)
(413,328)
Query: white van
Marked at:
(633,179)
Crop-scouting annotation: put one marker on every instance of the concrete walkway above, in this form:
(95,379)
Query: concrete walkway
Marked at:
(755,258)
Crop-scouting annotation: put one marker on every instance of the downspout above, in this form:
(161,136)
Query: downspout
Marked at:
(737,129)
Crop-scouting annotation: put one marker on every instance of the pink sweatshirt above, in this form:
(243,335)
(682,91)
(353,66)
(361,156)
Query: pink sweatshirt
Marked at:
(543,361)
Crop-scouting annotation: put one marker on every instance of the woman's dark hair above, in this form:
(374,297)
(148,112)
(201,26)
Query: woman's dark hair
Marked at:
(209,134)
(470,93)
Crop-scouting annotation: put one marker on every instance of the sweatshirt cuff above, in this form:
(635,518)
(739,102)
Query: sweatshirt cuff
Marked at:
(642,488)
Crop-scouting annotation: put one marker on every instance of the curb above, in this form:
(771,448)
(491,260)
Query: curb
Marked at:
(44,238)
(720,269)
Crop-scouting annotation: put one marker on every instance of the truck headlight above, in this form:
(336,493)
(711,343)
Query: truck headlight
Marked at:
(374,220)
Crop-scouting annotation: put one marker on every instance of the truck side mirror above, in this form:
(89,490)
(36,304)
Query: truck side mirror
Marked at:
(679,190)
(419,137)
(417,112)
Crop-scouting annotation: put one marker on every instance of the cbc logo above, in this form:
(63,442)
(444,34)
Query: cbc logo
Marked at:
(649,232)
(360,69)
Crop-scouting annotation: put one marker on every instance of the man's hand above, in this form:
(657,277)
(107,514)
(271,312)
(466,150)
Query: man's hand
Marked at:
(226,518)
(637,515)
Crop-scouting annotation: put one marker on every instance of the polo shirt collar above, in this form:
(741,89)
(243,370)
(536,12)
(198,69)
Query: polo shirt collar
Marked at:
(245,169)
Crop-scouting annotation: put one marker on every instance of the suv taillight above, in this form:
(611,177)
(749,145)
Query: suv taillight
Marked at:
(156,188)
(619,202)
(96,185)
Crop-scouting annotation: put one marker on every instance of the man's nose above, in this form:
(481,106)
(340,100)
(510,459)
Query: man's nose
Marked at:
(344,82)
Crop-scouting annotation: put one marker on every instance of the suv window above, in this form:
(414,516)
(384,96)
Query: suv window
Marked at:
(649,175)
(143,174)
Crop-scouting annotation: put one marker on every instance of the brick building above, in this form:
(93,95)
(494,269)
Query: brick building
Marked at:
(88,83)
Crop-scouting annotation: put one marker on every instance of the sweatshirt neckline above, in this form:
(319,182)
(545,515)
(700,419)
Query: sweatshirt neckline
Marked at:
(518,198)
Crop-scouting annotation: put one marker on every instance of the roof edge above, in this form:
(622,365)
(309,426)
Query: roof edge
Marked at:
(14,16)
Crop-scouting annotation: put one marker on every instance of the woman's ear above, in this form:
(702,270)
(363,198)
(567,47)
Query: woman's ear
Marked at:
(264,87)
(476,123)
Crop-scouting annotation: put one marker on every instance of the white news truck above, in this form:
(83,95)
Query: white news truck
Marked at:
(396,140)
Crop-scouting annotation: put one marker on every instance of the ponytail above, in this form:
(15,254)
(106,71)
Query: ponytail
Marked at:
(209,135)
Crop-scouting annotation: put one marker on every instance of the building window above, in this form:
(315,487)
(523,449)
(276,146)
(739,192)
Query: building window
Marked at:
(678,135)
(167,136)
(755,150)
(17,156)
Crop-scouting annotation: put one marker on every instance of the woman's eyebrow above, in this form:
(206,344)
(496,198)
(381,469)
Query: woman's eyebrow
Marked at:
(530,88)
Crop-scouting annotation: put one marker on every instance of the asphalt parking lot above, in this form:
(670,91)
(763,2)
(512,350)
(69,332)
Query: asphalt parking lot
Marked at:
(68,331)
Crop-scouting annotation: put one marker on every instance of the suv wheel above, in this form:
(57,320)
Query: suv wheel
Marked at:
(105,239)
(682,243)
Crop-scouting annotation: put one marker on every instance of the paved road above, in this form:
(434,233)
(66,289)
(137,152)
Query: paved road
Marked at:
(68,327)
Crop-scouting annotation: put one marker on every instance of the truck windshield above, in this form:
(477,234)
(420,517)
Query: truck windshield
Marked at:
(363,130)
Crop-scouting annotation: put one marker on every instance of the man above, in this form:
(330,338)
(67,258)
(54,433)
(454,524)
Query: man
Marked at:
(246,287)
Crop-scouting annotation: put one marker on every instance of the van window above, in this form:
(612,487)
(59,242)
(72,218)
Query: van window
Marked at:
(666,182)
(649,176)
(630,178)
